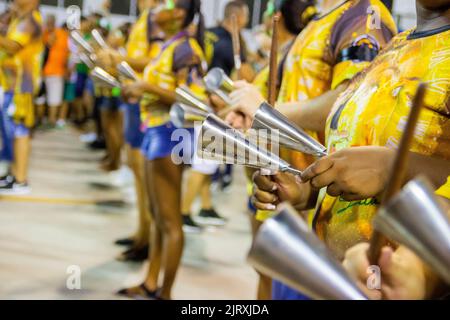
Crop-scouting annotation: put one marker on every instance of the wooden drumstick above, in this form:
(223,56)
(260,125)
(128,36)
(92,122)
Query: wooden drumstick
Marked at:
(398,171)
(273,62)
(236,45)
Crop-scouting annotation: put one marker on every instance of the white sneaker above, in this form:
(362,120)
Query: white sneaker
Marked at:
(88,137)
(15,189)
(61,124)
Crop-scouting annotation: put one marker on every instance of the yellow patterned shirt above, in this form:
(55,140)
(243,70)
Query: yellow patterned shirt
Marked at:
(331,49)
(138,44)
(444,191)
(22,71)
(373,112)
(179,54)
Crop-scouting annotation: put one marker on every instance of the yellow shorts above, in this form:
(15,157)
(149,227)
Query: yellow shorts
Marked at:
(24,110)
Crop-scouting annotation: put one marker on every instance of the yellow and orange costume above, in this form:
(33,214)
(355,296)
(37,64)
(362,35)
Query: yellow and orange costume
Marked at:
(373,112)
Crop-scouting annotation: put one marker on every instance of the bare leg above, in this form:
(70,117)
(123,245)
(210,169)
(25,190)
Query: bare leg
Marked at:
(195,182)
(40,113)
(53,115)
(22,148)
(265,282)
(136,164)
(165,190)
(64,111)
(205,194)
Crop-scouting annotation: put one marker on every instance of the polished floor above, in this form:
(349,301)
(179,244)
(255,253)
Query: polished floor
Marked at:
(74,214)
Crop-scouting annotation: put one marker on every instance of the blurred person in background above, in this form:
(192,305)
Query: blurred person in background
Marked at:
(81,70)
(180,62)
(219,54)
(56,41)
(21,50)
(294,17)
(144,44)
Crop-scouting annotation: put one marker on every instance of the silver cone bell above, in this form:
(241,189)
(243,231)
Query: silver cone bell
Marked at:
(184,116)
(285,249)
(217,79)
(416,219)
(86,60)
(101,76)
(220,142)
(81,42)
(186,96)
(218,83)
(290,135)
(99,39)
(126,71)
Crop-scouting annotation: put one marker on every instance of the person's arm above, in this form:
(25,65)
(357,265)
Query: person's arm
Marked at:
(134,92)
(269,191)
(138,64)
(362,172)
(11,47)
(312,114)
(309,115)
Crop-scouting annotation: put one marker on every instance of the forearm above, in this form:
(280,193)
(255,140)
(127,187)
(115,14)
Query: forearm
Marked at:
(9,46)
(437,170)
(138,64)
(309,198)
(166,96)
(312,114)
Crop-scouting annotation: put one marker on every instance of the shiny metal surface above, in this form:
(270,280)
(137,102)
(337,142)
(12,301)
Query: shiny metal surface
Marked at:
(232,147)
(86,60)
(290,136)
(285,249)
(184,95)
(99,39)
(217,79)
(127,71)
(79,40)
(416,219)
(103,77)
(184,116)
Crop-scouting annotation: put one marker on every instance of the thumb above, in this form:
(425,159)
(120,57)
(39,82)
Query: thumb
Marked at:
(283,178)
(240,84)
(385,261)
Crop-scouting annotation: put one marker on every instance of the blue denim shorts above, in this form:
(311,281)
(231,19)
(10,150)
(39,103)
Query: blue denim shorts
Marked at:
(132,125)
(158,143)
(6,129)
(280,291)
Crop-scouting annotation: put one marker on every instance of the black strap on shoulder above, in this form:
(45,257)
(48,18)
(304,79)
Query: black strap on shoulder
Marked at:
(357,53)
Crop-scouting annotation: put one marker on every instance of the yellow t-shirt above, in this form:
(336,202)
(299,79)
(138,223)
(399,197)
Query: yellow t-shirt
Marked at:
(22,71)
(373,112)
(138,43)
(331,49)
(179,53)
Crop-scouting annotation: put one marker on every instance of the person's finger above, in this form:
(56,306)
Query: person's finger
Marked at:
(265,197)
(263,206)
(324,179)
(356,261)
(385,261)
(283,178)
(334,190)
(264,183)
(351,197)
(240,84)
(317,168)
(230,117)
